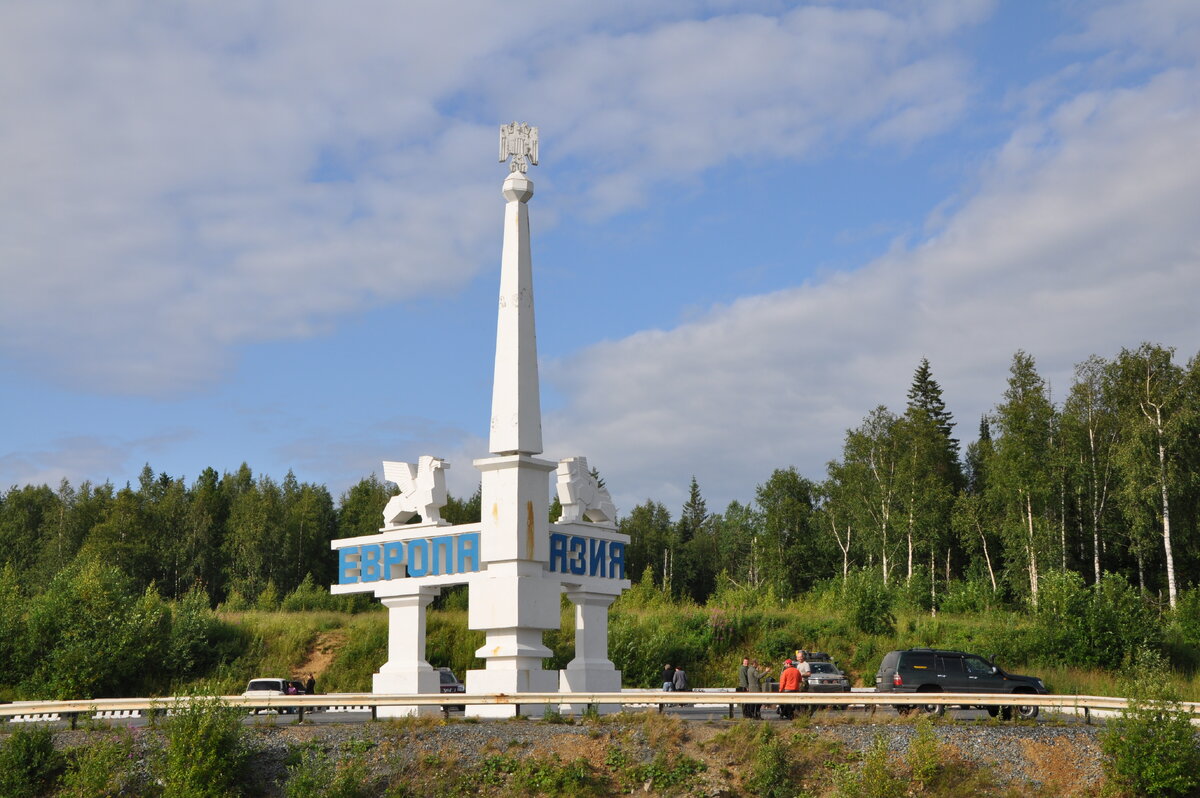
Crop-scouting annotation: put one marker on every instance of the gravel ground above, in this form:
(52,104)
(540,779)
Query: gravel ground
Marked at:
(1067,757)
(1063,758)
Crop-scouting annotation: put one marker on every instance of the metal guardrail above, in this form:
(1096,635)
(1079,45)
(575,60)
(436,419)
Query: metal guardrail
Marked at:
(70,710)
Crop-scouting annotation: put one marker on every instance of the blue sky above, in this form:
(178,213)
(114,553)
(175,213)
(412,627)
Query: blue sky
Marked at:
(270,232)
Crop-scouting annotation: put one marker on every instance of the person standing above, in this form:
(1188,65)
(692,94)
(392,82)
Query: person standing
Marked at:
(756,676)
(789,682)
(668,678)
(679,680)
(805,670)
(743,684)
(310,686)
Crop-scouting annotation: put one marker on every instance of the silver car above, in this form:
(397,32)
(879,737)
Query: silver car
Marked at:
(826,678)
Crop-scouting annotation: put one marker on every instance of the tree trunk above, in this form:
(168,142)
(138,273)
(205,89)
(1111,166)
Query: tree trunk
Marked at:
(1033,566)
(988,557)
(932,584)
(1062,520)
(1166,509)
(911,521)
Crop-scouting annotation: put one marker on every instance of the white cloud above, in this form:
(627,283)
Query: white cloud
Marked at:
(182,179)
(1081,239)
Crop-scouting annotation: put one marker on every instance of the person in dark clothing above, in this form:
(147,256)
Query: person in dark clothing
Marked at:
(668,678)
(310,686)
(679,680)
(743,685)
(756,675)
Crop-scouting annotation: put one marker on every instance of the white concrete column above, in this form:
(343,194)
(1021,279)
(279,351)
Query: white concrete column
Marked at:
(406,670)
(591,671)
(516,397)
(513,601)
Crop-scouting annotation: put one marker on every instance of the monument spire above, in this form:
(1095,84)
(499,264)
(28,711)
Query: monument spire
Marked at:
(516,426)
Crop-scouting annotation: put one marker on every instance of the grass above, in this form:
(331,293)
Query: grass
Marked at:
(710,641)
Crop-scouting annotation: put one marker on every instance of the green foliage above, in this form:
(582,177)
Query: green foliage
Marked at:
(205,750)
(1151,747)
(1097,626)
(924,757)
(317,775)
(665,772)
(769,771)
(640,643)
(92,634)
(363,653)
(539,775)
(449,643)
(973,594)
(869,603)
(100,769)
(12,623)
(29,765)
(875,779)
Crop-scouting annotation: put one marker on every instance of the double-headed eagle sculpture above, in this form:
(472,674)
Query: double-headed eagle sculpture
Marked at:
(519,142)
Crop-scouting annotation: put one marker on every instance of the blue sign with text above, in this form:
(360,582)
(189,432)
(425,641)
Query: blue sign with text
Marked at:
(433,556)
(582,556)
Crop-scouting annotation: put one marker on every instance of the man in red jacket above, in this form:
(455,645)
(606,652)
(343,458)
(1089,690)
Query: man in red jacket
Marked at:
(789,682)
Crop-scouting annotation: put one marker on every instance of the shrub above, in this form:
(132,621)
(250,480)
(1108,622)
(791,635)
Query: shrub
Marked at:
(1097,626)
(1151,746)
(95,634)
(205,750)
(195,632)
(99,770)
(971,595)
(316,775)
(874,779)
(869,603)
(769,772)
(924,755)
(309,597)
(29,765)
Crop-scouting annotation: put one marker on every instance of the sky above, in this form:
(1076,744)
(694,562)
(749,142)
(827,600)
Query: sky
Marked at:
(269,232)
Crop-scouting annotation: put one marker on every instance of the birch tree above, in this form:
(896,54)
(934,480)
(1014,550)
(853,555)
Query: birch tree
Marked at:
(1154,414)
(1022,477)
(867,480)
(1090,429)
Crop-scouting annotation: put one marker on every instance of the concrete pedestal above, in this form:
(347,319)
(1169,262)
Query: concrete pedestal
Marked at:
(406,670)
(591,671)
(513,602)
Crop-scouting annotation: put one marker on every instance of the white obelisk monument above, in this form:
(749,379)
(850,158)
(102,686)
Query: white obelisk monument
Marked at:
(513,600)
(515,562)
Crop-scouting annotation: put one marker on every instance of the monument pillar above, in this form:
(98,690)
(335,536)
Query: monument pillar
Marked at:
(591,671)
(512,600)
(407,670)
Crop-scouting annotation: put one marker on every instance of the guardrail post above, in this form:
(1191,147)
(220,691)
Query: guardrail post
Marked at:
(661,707)
(300,714)
(374,712)
(74,718)
(730,715)
(1087,716)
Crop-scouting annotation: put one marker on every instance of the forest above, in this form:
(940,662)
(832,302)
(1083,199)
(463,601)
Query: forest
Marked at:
(1083,509)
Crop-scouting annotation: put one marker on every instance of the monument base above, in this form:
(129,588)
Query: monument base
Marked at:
(415,681)
(590,680)
(510,683)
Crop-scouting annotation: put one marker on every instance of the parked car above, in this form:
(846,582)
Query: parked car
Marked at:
(451,684)
(825,677)
(928,670)
(269,688)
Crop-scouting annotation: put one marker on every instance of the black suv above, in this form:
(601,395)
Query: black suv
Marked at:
(927,670)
